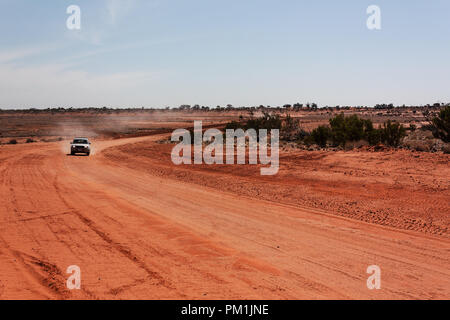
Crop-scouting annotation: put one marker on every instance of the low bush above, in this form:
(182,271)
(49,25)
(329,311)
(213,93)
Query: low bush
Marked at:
(351,128)
(353,131)
(233,125)
(301,135)
(373,137)
(267,121)
(321,135)
(392,133)
(440,125)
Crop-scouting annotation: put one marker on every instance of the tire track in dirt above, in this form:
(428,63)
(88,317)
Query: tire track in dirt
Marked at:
(138,235)
(47,277)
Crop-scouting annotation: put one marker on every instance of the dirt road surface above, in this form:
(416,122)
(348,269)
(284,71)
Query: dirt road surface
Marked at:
(136,235)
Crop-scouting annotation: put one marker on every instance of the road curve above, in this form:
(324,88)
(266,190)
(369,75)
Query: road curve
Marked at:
(138,236)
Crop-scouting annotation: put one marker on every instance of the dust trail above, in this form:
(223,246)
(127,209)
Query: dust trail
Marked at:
(96,127)
(70,129)
(117,124)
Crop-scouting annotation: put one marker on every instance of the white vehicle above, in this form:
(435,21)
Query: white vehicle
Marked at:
(80,145)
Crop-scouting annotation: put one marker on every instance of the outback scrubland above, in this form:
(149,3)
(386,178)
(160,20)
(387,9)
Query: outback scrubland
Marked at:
(356,187)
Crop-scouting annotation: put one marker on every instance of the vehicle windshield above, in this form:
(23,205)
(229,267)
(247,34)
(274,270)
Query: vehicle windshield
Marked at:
(80,141)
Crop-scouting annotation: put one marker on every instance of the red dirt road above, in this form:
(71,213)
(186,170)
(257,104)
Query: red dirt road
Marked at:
(139,235)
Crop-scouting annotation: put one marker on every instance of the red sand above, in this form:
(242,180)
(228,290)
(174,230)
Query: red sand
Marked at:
(140,228)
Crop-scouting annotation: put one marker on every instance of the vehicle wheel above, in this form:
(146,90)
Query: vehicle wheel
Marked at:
(88,153)
(72,153)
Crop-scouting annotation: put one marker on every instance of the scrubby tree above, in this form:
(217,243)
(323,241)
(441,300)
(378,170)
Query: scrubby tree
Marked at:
(320,135)
(351,128)
(346,129)
(338,134)
(392,133)
(440,125)
(373,137)
(234,125)
(267,121)
(290,124)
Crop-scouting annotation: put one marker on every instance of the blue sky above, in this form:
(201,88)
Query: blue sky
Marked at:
(158,53)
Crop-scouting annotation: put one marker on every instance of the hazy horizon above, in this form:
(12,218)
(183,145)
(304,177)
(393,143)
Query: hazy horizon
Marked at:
(154,54)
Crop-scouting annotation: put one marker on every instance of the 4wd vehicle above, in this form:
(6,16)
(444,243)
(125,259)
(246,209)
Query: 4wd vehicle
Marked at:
(80,145)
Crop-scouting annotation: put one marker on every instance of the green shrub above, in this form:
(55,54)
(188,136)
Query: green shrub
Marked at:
(373,137)
(352,128)
(234,125)
(338,130)
(321,135)
(301,135)
(12,141)
(440,125)
(267,121)
(355,128)
(392,133)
